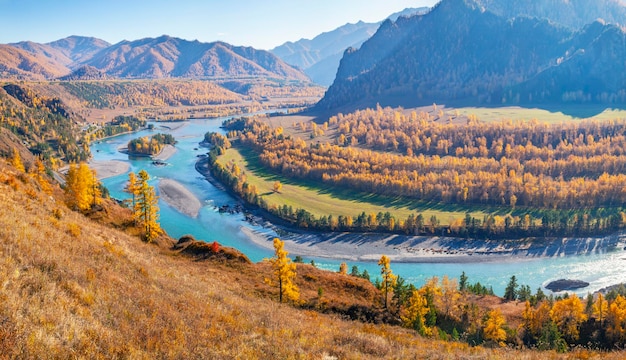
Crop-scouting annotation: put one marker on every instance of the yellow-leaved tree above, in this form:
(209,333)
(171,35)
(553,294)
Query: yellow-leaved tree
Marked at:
(343,268)
(415,313)
(132,187)
(39,174)
(568,314)
(285,272)
(388,278)
(600,309)
(146,207)
(16,160)
(493,328)
(616,321)
(82,188)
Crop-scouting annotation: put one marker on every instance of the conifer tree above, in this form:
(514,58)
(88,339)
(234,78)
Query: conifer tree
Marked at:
(39,175)
(16,160)
(132,187)
(493,328)
(388,278)
(343,268)
(415,314)
(568,314)
(285,272)
(82,188)
(147,208)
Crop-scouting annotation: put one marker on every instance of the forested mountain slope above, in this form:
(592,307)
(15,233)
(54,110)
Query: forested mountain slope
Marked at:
(463,52)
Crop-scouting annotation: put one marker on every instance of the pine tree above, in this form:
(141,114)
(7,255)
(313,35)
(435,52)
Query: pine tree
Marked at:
(285,272)
(510,293)
(147,208)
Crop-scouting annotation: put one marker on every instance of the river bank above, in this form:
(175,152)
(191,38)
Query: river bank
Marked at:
(177,196)
(423,249)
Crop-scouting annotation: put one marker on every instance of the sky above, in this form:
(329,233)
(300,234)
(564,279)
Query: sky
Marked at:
(263,24)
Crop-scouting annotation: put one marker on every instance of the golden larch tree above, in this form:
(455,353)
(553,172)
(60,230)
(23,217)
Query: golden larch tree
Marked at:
(600,308)
(285,272)
(82,188)
(132,187)
(147,208)
(493,328)
(343,268)
(568,314)
(414,315)
(388,278)
(39,174)
(616,320)
(16,160)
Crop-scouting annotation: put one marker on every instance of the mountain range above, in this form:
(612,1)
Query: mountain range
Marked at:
(319,57)
(462,51)
(78,57)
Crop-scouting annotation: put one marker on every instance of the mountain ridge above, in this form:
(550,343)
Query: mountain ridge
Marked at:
(462,52)
(319,57)
(78,57)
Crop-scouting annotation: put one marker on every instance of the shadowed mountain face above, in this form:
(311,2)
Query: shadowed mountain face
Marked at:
(571,13)
(164,57)
(463,52)
(320,56)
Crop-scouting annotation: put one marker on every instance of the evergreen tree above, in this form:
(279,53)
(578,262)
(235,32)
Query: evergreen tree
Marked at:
(510,293)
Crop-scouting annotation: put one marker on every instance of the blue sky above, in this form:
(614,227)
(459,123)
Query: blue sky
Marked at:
(262,24)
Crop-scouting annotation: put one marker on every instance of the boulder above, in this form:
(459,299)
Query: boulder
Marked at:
(566,284)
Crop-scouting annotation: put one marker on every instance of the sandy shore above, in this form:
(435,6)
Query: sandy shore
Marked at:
(421,249)
(176,195)
(107,169)
(166,153)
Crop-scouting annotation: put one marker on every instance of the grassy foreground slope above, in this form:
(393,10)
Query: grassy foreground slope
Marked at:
(75,286)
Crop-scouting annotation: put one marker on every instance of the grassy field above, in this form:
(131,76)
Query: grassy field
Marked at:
(323,201)
(550,116)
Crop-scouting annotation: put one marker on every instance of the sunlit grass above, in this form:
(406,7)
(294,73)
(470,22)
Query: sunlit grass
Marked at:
(550,116)
(322,201)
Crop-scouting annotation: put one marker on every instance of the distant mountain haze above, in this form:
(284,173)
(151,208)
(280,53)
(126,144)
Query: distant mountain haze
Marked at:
(319,57)
(463,52)
(150,58)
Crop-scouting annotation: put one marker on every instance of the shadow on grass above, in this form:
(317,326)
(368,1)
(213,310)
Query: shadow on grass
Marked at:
(392,202)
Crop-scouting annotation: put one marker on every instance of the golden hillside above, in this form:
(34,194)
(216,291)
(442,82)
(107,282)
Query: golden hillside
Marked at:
(73,285)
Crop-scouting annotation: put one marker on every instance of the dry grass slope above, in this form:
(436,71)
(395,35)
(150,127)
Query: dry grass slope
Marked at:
(72,287)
